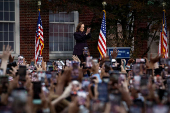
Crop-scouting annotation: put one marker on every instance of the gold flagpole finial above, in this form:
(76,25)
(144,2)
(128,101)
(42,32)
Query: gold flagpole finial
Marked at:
(164,4)
(104,4)
(39,4)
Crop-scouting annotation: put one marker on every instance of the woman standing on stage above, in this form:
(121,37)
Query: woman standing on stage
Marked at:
(81,36)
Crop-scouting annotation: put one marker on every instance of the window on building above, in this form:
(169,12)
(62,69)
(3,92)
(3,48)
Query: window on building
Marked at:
(61,29)
(7,23)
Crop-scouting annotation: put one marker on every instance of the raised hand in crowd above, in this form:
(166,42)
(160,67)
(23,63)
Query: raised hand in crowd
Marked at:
(11,59)
(43,65)
(114,53)
(154,60)
(4,57)
(14,71)
(63,80)
(39,67)
(75,58)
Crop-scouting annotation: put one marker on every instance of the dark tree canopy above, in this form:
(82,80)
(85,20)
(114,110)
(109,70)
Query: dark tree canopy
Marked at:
(130,14)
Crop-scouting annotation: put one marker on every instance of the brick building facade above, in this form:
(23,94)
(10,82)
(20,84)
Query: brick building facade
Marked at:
(28,23)
(141,45)
(26,15)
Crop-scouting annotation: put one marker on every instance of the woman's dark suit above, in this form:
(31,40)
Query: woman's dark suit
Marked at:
(80,38)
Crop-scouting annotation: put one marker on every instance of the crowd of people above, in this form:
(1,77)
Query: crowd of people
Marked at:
(107,86)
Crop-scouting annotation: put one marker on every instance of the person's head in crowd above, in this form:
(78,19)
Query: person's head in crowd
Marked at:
(80,27)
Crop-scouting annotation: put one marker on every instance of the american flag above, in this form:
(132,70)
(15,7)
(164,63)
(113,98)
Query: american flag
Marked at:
(39,40)
(102,37)
(163,42)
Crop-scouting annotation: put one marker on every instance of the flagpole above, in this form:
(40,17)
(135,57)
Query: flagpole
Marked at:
(39,6)
(104,5)
(163,23)
(102,47)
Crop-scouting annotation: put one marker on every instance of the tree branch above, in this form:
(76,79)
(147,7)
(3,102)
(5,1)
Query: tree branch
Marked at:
(150,44)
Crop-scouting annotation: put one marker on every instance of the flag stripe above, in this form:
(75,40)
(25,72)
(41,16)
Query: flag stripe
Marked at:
(103,37)
(165,42)
(102,44)
(101,48)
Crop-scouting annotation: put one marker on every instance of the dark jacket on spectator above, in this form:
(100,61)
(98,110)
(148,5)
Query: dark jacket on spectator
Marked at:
(80,38)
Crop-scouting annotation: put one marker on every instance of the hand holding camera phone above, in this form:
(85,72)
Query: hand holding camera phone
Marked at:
(122,77)
(89,61)
(67,63)
(4,84)
(149,106)
(144,85)
(40,58)
(34,76)
(37,91)
(75,87)
(39,62)
(115,99)
(85,83)
(140,60)
(103,92)
(32,63)
(163,61)
(62,63)
(137,80)
(113,63)
(75,71)
(54,77)
(41,76)
(22,73)
(48,76)
(136,69)
(97,106)
(18,99)
(123,63)
(60,66)
(114,77)
(20,59)
(160,109)
(82,97)
(107,65)
(75,65)
(135,109)
(9,67)
(85,51)
(1,71)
